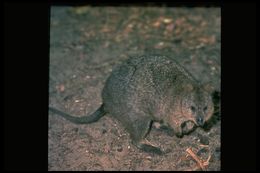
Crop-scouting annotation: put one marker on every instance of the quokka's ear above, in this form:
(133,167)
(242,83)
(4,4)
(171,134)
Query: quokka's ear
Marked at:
(188,87)
(208,87)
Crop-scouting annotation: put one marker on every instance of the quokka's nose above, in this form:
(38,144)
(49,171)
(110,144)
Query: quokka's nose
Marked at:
(200,121)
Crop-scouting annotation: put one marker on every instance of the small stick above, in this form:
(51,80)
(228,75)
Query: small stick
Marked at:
(207,162)
(204,146)
(201,164)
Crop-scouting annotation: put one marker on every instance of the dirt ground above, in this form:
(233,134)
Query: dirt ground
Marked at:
(86,43)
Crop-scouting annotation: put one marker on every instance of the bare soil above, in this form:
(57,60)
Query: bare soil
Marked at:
(86,43)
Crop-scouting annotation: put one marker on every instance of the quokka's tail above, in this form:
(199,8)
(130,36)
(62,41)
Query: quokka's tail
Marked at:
(84,119)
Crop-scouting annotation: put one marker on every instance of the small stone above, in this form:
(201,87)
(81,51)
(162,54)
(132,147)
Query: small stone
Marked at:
(104,131)
(204,140)
(148,157)
(76,129)
(130,25)
(168,150)
(167,20)
(161,43)
(201,151)
(120,149)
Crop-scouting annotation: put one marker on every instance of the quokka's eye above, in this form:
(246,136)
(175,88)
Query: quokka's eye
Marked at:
(205,108)
(193,109)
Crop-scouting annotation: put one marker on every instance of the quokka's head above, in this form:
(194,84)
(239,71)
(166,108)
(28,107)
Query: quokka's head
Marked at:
(197,103)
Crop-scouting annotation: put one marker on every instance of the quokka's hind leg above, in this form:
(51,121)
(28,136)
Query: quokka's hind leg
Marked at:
(138,130)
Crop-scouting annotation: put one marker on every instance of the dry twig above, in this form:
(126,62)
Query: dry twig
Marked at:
(195,157)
